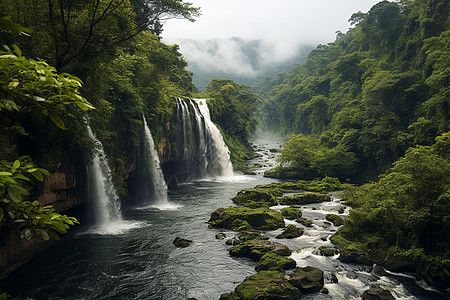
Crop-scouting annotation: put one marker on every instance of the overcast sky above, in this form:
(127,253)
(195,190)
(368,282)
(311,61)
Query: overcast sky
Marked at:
(295,21)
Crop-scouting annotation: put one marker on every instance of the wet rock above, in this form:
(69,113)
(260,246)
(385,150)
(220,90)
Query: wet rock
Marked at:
(324,290)
(181,243)
(273,261)
(377,294)
(335,219)
(379,270)
(266,285)
(326,224)
(251,235)
(243,218)
(334,278)
(341,210)
(304,222)
(274,150)
(307,280)
(290,232)
(232,242)
(255,249)
(257,197)
(291,213)
(328,251)
(221,236)
(305,198)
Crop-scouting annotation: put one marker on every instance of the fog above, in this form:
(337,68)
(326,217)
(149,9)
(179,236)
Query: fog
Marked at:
(249,37)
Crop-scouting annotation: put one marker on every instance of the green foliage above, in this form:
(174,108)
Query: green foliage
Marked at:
(367,97)
(406,211)
(26,217)
(28,86)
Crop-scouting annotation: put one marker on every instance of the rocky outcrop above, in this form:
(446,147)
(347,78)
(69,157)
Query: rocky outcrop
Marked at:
(243,218)
(257,197)
(377,294)
(291,213)
(305,198)
(273,261)
(290,232)
(264,285)
(307,279)
(255,249)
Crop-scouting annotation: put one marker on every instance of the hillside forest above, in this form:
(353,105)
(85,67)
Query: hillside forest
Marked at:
(371,109)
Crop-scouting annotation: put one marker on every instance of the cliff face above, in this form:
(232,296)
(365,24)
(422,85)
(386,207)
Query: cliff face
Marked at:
(63,191)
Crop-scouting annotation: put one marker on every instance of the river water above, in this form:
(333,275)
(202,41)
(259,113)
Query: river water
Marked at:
(139,261)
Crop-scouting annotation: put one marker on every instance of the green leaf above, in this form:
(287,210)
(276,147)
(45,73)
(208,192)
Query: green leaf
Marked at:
(8,24)
(38,175)
(5,174)
(45,235)
(15,165)
(56,119)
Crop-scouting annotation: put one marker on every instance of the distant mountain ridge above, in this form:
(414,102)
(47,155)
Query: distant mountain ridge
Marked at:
(243,60)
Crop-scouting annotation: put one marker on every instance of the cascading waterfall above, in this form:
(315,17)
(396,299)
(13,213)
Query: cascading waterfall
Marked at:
(218,155)
(204,151)
(159,199)
(101,190)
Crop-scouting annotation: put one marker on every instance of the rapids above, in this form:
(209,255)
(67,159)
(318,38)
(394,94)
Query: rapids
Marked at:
(140,261)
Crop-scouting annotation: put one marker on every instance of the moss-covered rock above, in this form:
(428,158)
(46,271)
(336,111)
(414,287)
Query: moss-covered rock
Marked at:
(251,235)
(229,296)
(335,219)
(273,261)
(304,222)
(290,232)
(256,197)
(221,236)
(291,213)
(305,198)
(246,218)
(267,285)
(255,249)
(327,184)
(307,279)
(328,251)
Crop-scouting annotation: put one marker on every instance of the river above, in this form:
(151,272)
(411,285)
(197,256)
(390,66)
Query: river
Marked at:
(139,261)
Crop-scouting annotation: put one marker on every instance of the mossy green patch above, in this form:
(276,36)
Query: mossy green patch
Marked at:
(255,197)
(335,219)
(305,198)
(267,285)
(246,218)
(275,261)
(291,213)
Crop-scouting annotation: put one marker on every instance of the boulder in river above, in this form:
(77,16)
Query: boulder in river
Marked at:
(251,235)
(335,219)
(305,198)
(377,294)
(257,197)
(221,236)
(328,251)
(290,232)
(255,249)
(307,279)
(273,261)
(304,222)
(242,217)
(264,285)
(291,213)
(180,242)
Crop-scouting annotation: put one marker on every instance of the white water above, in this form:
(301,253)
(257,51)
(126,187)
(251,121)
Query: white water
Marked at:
(202,148)
(103,196)
(160,200)
(219,161)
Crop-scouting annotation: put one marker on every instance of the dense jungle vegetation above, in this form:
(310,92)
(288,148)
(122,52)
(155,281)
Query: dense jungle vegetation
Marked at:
(376,101)
(115,59)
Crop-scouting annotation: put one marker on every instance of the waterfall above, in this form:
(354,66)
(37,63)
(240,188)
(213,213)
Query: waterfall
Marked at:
(202,150)
(103,196)
(155,175)
(219,162)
